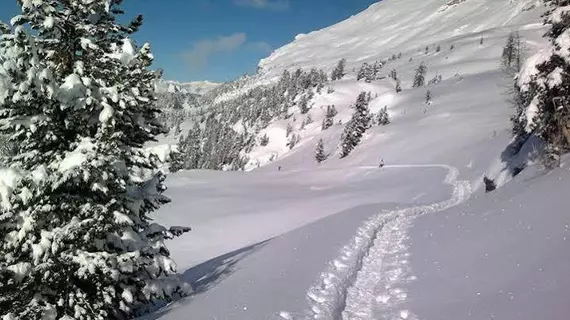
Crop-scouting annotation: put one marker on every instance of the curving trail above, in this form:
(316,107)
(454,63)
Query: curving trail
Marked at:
(365,280)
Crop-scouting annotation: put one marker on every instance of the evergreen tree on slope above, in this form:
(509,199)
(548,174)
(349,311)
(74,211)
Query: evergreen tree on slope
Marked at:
(320,155)
(77,238)
(358,124)
(420,76)
(329,117)
(338,71)
(545,81)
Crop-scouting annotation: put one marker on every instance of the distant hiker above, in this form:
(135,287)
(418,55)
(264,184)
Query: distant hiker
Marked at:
(381,163)
(489,184)
(279,168)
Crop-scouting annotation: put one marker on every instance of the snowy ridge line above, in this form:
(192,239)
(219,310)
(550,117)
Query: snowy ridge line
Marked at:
(349,285)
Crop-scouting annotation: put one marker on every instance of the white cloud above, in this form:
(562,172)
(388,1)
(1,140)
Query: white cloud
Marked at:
(261,46)
(264,4)
(201,51)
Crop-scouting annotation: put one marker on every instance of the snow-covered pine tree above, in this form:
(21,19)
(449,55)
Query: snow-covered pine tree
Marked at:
(393,74)
(367,72)
(77,238)
(512,52)
(398,86)
(377,67)
(383,117)
(288,129)
(420,76)
(329,117)
(544,79)
(177,157)
(193,149)
(362,72)
(320,154)
(303,124)
(358,124)
(295,138)
(338,71)
(304,104)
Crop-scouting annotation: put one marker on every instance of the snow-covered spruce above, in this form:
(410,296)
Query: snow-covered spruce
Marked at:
(77,99)
(338,71)
(544,81)
(420,75)
(358,124)
(320,154)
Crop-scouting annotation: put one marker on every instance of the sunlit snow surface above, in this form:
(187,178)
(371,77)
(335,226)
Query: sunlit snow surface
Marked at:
(417,239)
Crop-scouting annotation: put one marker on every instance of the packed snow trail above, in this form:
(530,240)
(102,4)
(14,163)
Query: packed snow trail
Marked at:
(366,275)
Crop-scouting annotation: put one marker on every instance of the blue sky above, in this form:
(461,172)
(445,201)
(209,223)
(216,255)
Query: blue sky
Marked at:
(219,40)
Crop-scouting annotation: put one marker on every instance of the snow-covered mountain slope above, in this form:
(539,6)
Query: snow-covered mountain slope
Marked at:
(417,239)
(393,26)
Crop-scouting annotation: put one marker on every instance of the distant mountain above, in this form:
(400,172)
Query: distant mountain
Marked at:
(195,87)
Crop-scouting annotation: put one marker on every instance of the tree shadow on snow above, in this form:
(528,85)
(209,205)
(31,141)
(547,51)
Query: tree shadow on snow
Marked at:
(520,152)
(208,274)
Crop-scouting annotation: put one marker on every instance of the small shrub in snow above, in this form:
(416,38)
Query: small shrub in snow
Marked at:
(264,141)
(435,80)
(428,97)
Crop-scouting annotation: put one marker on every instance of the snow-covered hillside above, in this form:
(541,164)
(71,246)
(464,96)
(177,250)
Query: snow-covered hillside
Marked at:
(393,26)
(416,239)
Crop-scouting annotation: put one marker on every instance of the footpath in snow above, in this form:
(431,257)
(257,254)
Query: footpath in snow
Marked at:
(375,262)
